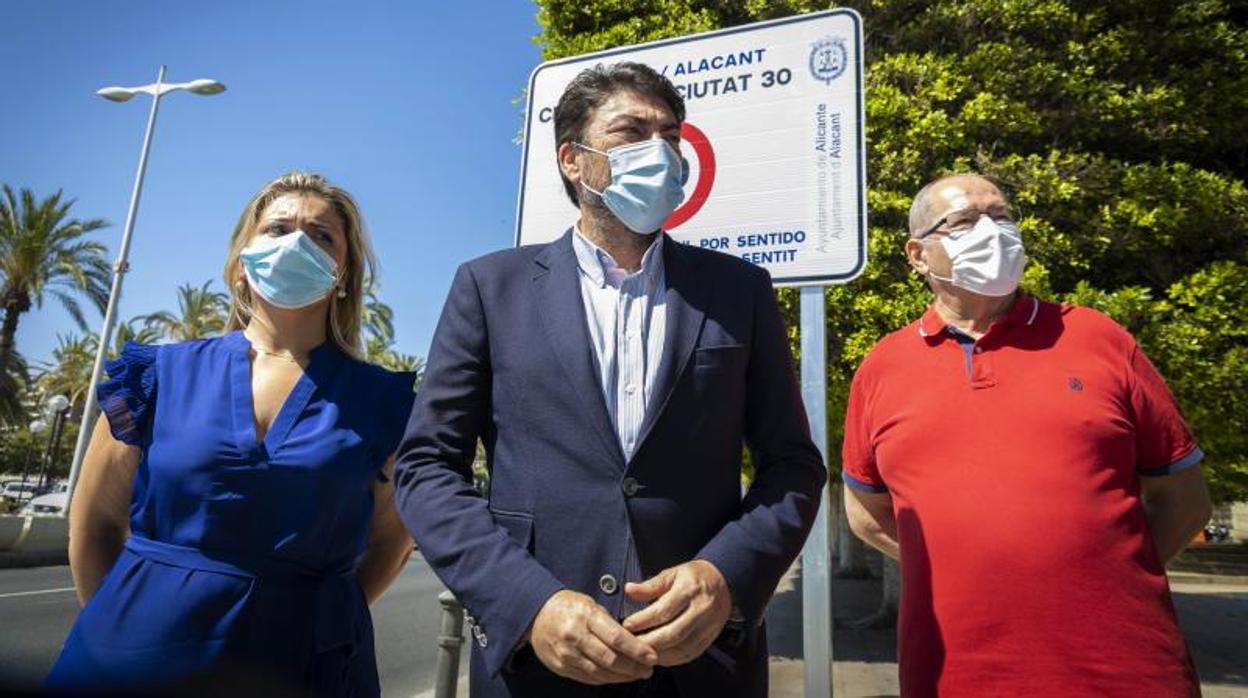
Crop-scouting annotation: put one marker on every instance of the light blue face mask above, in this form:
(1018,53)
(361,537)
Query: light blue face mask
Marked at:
(289,271)
(645,186)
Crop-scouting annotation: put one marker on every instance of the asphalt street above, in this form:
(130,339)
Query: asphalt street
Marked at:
(37,607)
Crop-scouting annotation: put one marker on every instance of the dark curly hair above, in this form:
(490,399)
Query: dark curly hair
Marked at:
(595,85)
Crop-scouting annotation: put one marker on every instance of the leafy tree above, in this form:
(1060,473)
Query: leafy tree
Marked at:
(22,449)
(386,356)
(19,450)
(69,371)
(378,328)
(43,251)
(378,320)
(134,330)
(1116,128)
(201,313)
(13,383)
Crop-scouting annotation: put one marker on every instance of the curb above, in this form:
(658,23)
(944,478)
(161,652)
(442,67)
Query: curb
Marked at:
(1202,578)
(12,559)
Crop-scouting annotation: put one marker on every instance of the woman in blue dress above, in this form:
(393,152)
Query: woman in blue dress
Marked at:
(235,517)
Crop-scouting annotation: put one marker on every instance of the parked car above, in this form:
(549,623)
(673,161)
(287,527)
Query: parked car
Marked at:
(54,487)
(48,504)
(1216,533)
(18,491)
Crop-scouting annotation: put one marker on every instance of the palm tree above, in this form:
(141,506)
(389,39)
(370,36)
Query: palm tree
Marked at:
(378,319)
(134,330)
(382,354)
(201,313)
(378,328)
(69,371)
(13,384)
(42,251)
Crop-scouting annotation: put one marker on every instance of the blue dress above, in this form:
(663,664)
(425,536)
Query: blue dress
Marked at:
(240,566)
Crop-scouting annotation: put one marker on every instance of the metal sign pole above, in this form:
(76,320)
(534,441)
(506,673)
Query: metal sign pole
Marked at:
(816,572)
(90,410)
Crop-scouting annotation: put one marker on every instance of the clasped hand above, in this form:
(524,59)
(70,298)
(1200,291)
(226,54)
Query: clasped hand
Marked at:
(688,607)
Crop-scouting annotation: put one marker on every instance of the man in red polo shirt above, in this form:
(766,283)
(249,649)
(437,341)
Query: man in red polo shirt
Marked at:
(1030,469)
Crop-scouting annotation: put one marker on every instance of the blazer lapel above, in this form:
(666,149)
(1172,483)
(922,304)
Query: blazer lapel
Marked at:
(688,291)
(557,286)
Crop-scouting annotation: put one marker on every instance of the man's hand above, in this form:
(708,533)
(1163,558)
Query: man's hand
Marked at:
(577,639)
(689,605)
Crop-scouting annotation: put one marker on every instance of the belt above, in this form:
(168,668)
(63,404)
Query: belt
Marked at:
(337,592)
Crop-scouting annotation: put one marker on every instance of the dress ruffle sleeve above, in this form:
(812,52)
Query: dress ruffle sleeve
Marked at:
(128,397)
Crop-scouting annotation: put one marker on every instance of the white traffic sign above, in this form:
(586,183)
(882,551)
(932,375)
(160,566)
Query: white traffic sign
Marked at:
(773,139)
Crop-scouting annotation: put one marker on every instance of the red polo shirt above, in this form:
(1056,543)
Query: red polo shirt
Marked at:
(1014,467)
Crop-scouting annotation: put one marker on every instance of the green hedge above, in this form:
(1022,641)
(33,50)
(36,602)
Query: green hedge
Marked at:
(1117,128)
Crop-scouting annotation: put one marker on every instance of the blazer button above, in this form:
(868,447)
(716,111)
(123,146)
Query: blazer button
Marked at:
(607,583)
(630,487)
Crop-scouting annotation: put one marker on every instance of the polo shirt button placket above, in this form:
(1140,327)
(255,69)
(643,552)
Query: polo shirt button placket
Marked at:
(982,375)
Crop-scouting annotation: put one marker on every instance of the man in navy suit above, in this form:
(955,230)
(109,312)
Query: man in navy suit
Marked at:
(614,376)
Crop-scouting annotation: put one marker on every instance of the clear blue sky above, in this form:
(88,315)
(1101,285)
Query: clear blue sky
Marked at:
(409,106)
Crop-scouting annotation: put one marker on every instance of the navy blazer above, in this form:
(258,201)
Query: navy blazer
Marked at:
(511,363)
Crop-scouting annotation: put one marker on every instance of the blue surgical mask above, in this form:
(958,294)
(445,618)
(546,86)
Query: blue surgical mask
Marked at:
(289,271)
(646,183)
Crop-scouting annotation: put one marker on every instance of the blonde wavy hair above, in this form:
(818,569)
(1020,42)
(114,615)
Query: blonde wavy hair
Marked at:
(345,314)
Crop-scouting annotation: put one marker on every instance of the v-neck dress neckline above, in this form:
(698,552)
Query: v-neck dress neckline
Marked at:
(246,435)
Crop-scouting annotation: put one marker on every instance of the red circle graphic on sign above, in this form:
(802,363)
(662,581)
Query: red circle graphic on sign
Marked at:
(706,176)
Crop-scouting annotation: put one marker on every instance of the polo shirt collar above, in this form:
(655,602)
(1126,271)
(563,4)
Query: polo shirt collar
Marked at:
(1022,313)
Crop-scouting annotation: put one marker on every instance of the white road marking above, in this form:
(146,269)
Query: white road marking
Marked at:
(35,593)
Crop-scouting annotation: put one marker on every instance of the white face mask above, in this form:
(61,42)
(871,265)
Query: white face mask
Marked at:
(988,259)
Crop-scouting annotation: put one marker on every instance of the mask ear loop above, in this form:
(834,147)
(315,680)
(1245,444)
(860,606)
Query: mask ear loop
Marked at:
(591,190)
(930,275)
(588,188)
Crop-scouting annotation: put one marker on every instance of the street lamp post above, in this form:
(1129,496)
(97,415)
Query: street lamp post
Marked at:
(58,410)
(123,94)
(35,427)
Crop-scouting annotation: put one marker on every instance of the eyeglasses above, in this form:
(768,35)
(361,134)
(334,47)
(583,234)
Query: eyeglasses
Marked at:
(963,220)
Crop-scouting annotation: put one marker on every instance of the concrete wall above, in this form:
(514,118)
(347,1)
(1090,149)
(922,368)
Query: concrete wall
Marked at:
(11,530)
(46,534)
(1239,521)
(34,534)
(33,541)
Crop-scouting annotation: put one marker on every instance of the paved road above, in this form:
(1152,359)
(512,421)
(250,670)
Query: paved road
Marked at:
(37,606)
(865,664)
(1214,619)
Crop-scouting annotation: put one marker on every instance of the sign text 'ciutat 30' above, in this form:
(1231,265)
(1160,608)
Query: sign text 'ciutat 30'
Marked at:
(773,141)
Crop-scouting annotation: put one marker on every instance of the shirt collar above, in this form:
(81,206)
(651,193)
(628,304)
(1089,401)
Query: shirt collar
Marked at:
(600,266)
(1022,313)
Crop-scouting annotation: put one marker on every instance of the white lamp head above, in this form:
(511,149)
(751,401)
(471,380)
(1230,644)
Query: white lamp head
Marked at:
(116,94)
(57,403)
(205,87)
(38,425)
